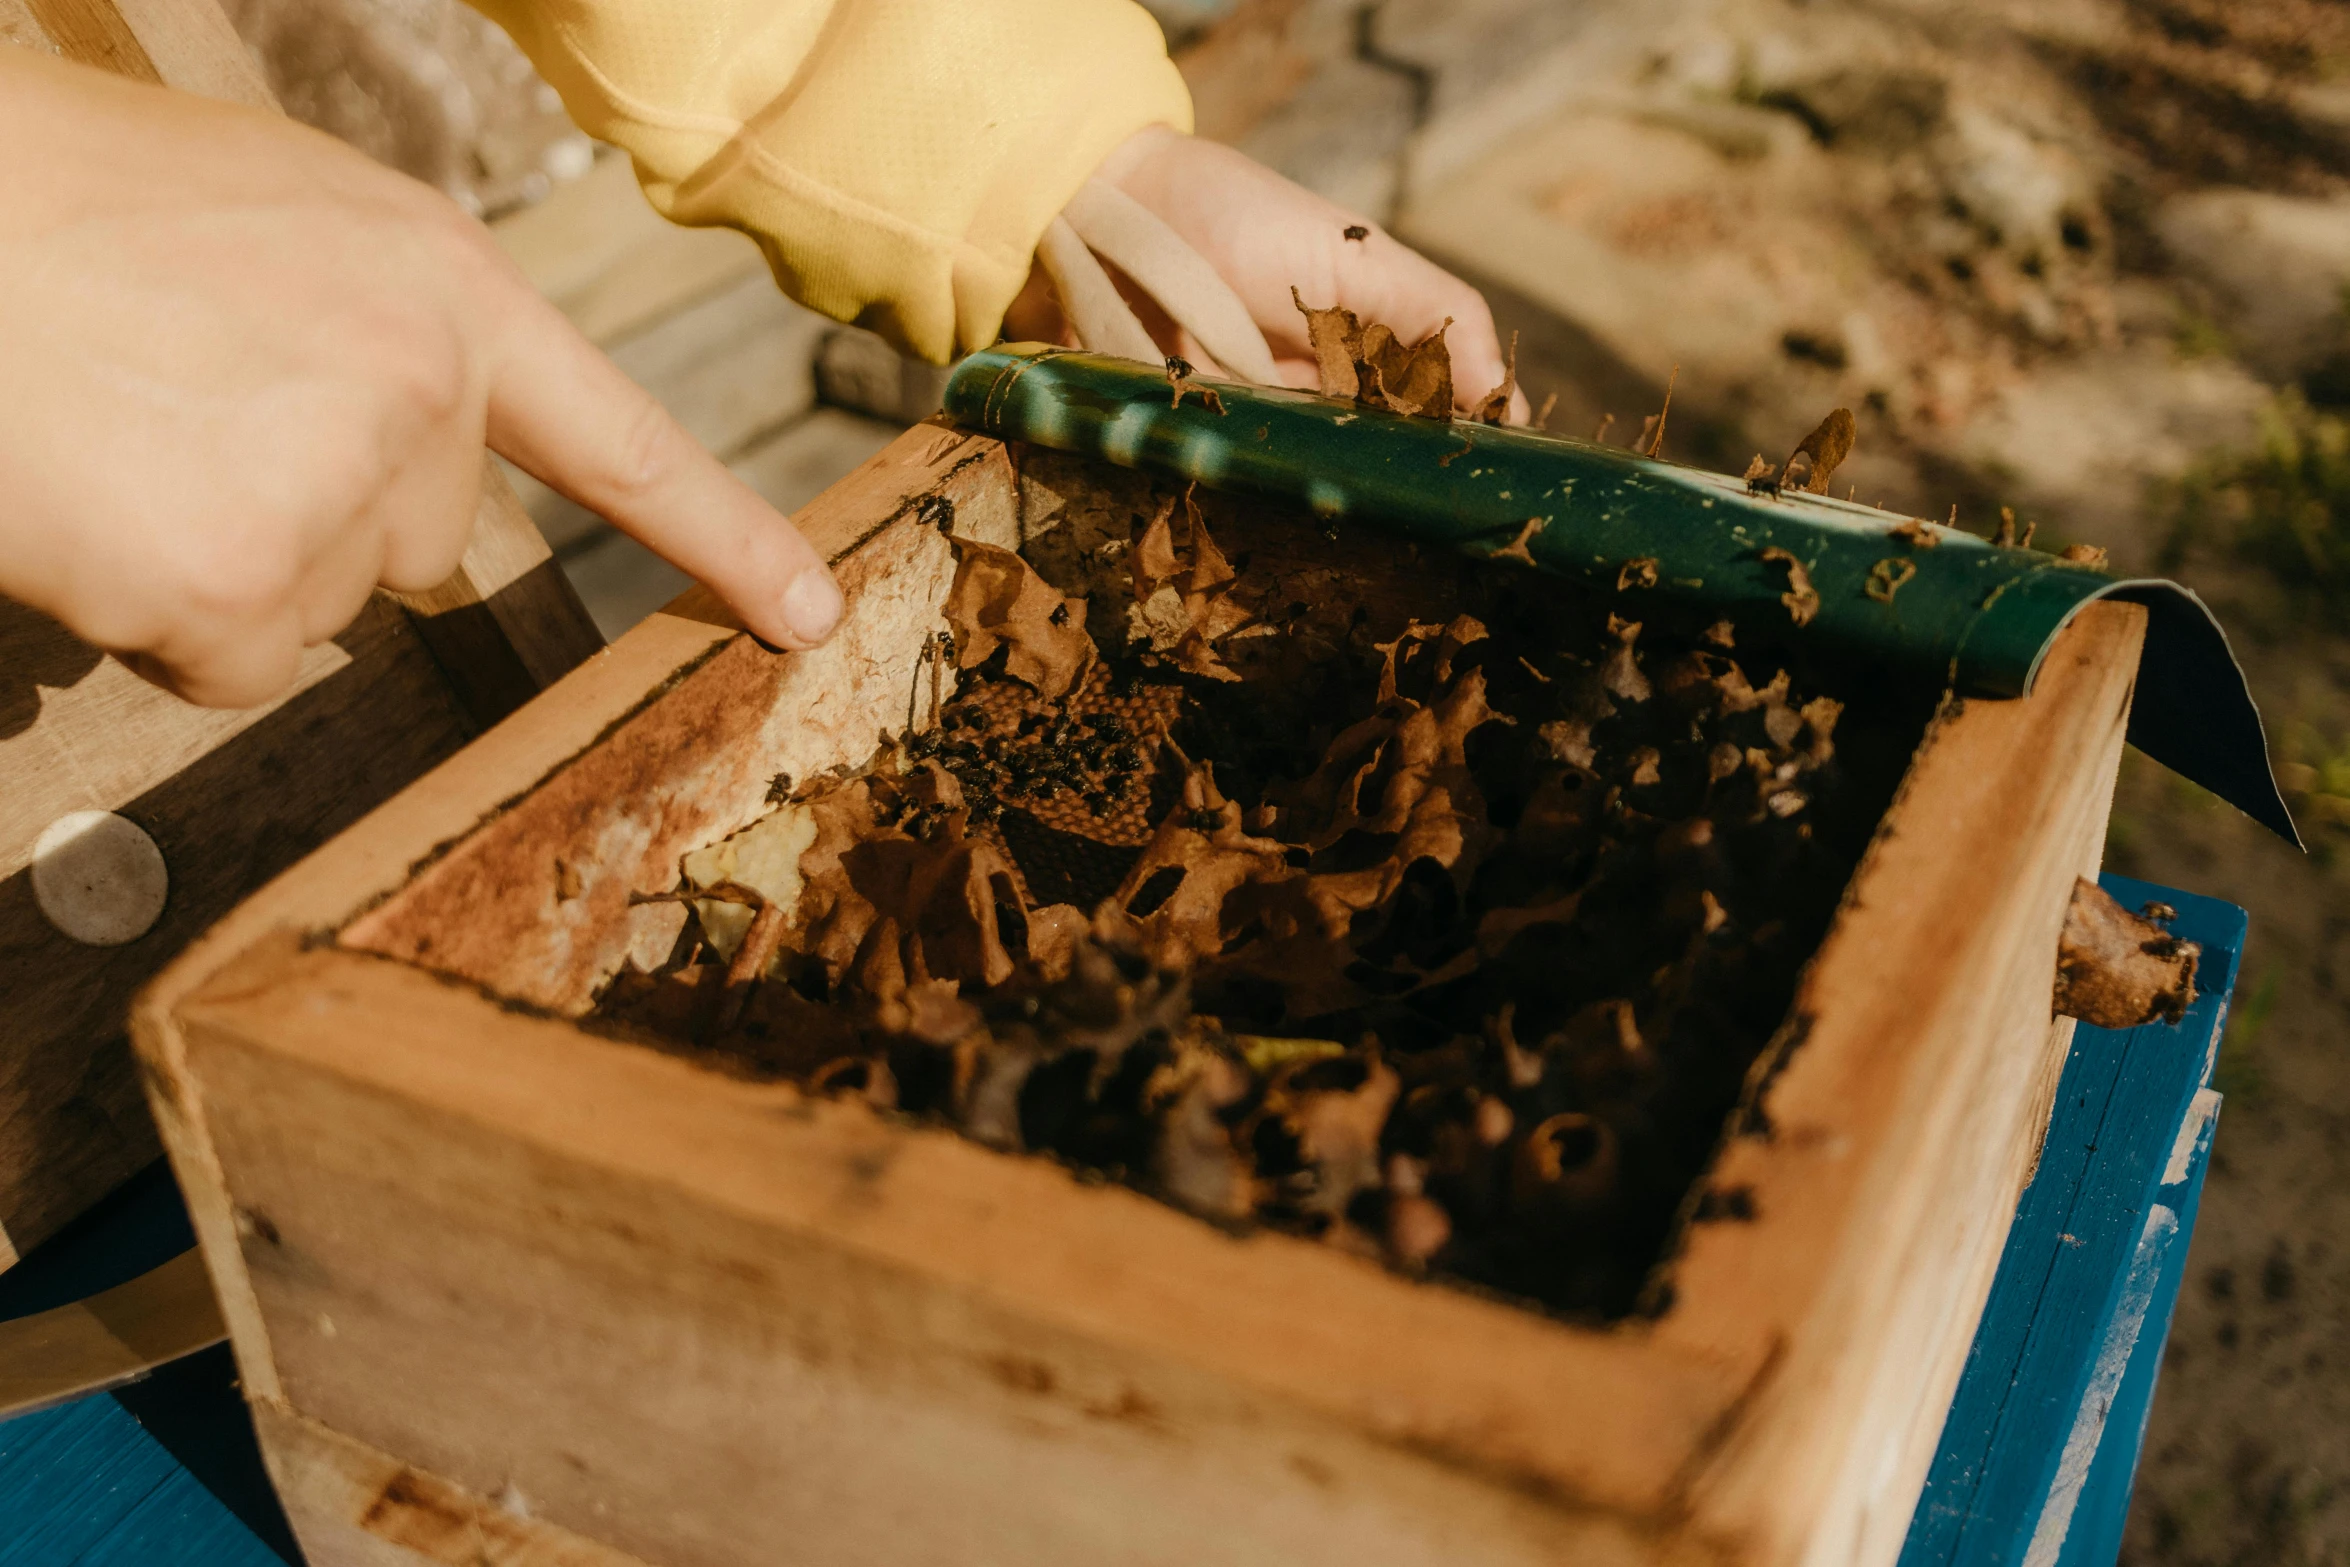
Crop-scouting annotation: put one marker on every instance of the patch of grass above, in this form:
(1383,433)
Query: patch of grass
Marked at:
(2196,336)
(2282,505)
(2237,1073)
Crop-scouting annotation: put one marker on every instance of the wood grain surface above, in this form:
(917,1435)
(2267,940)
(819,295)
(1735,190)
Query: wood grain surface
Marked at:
(73,1123)
(111,1337)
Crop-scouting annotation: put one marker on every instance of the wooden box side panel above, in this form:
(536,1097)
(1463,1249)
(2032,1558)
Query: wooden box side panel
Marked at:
(1903,1122)
(812,1334)
(536,904)
(353,1506)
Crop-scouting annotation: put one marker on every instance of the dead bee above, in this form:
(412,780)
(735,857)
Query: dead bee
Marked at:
(1761,477)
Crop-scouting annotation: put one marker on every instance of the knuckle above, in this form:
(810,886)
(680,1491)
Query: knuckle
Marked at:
(415,356)
(645,458)
(235,579)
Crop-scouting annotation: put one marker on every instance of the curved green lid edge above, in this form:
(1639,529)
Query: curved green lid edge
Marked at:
(1972,615)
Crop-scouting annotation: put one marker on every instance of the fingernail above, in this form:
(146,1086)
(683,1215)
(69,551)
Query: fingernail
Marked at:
(812,605)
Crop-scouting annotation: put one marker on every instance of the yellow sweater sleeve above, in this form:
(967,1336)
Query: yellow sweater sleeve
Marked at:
(897,160)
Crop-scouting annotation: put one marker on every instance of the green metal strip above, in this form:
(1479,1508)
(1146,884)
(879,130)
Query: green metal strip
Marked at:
(1970,615)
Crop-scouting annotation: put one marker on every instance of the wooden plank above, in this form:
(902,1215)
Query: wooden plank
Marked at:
(72,1121)
(607,260)
(356,868)
(80,732)
(1899,1128)
(21,28)
(356,1507)
(192,45)
(507,623)
(94,33)
(87,1484)
(109,1338)
(773,1314)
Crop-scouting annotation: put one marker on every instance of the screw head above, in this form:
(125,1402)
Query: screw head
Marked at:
(98,878)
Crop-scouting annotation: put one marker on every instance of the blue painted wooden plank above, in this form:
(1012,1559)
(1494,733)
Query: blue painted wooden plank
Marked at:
(85,1485)
(70,1473)
(2095,1538)
(2067,1274)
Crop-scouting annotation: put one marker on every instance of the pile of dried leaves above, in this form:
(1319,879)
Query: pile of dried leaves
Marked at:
(1453,942)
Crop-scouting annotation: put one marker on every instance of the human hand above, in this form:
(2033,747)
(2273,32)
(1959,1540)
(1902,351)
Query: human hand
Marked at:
(248,377)
(1265,235)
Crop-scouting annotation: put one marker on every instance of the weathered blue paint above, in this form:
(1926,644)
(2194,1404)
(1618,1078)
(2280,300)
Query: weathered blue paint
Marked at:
(2042,1440)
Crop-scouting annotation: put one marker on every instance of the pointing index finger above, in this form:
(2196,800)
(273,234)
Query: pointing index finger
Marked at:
(563,412)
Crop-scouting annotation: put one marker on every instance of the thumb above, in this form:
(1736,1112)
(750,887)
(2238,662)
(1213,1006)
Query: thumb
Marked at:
(565,414)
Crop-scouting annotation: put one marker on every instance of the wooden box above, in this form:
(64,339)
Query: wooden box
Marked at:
(505,1290)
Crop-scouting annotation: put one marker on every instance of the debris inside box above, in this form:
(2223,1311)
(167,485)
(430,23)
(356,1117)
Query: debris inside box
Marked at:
(1430,908)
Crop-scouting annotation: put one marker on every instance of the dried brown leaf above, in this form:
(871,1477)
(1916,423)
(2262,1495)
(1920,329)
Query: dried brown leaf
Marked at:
(1152,557)
(1184,600)
(1888,577)
(1196,1161)
(1517,549)
(998,601)
(1414,380)
(1053,933)
(937,897)
(1621,674)
(1823,451)
(1653,432)
(1337,1130)
(1801,598)
(1917,533)
(2117,970)
(1495,409)
(1337,341)
(1177,887)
